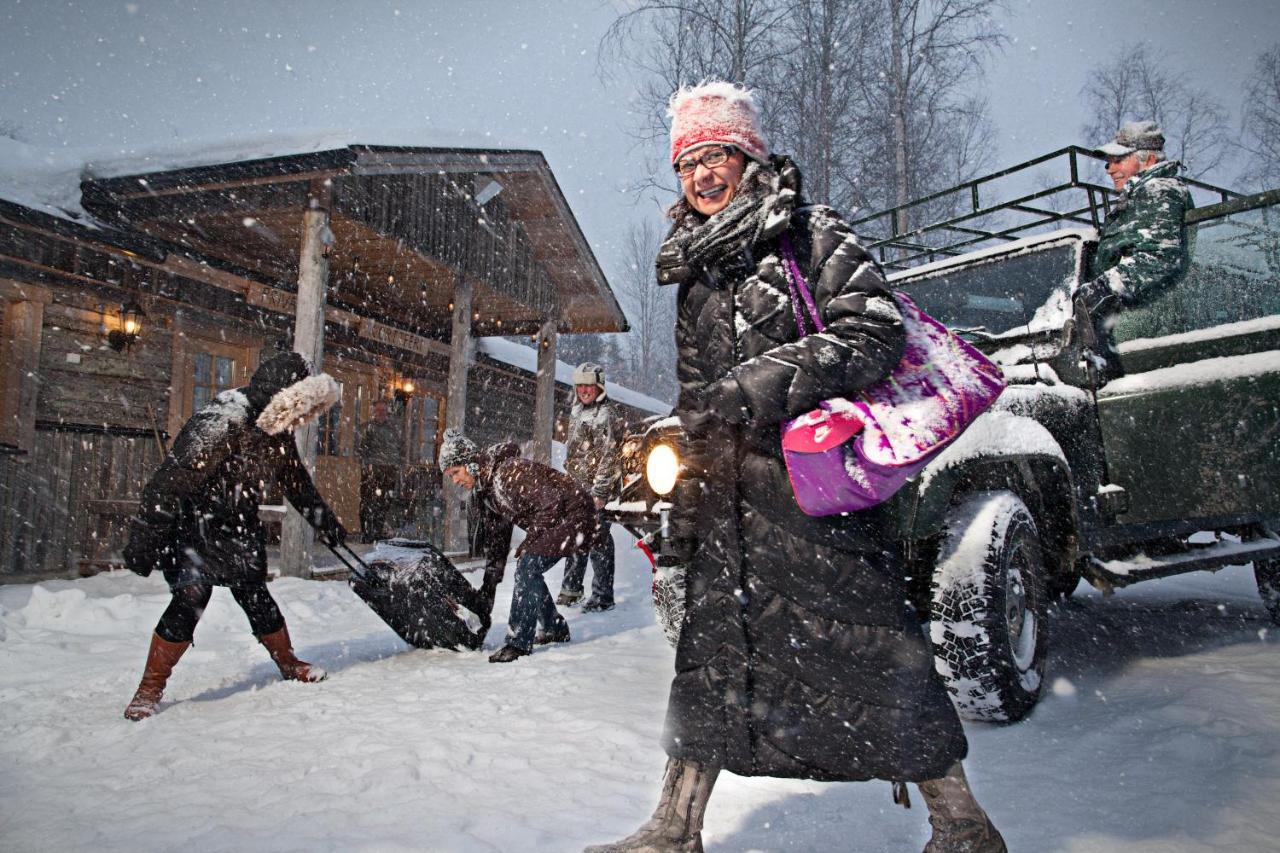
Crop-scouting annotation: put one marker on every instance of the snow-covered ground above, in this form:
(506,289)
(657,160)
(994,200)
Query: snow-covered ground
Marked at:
(1160,733)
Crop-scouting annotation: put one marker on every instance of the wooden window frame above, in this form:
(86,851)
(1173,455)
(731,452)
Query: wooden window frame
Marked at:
(190,339)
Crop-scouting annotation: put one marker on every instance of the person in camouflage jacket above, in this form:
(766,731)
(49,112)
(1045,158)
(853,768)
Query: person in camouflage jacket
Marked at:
(591,458)
(1144,247)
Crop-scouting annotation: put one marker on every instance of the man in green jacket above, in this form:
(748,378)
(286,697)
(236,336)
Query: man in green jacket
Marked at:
(1143,247)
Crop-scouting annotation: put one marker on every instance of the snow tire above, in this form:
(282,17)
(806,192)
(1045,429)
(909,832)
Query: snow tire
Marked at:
(1267,574)
(668,600)
(989,608)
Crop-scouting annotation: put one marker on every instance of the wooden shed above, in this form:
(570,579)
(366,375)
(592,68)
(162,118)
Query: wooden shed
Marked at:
(383,264)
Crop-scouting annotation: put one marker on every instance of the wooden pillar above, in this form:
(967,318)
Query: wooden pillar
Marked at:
(21,334)
(461,354)
(308,340)
(544,395)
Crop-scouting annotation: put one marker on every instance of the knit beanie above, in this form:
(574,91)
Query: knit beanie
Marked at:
(716,112)
(280,371)
(457,449)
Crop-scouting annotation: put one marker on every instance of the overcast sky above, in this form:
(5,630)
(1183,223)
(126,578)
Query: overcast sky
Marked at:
(128,76)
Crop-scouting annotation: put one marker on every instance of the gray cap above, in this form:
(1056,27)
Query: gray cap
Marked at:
(1134,136)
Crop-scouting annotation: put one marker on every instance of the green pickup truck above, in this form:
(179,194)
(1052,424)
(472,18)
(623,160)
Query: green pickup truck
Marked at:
(1173,468)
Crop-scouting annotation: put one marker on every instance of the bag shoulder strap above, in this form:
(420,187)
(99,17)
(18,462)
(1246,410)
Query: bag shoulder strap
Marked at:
(800,293)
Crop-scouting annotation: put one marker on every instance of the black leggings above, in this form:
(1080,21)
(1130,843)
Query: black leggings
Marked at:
(178,622)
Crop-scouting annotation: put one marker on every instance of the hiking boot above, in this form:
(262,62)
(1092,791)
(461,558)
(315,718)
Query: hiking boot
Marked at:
(959,823)
(507,654)
(568,597)
(597,605)
(676,825)
(555,635)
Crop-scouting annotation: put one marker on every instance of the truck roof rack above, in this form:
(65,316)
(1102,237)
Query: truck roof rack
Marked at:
(1063,198)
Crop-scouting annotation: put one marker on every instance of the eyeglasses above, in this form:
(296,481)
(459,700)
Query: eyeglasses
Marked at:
(711,158)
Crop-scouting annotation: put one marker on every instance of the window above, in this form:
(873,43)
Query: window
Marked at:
(211,375)
(1234,277)
(205,363)
(999,295)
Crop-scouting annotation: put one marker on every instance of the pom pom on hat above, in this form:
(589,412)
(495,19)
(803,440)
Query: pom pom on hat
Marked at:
(457,449)
(716,112)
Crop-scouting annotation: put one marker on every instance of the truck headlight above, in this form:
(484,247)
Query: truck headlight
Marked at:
(661,468)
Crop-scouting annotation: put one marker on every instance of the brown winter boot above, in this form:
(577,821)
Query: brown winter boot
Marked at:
(676,825)
(959,823)
(291,669)
(160,662)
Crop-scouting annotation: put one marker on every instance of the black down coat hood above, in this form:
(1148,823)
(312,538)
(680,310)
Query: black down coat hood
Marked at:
(198,515)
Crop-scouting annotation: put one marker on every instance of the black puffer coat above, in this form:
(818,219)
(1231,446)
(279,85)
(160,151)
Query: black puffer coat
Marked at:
(800,656)
(198,515)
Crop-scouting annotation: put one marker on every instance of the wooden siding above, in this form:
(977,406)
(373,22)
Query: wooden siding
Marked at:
(66,504)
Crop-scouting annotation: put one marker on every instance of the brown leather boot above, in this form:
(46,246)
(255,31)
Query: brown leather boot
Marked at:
(676,825)
(291,669)
(959,823)
(155,675)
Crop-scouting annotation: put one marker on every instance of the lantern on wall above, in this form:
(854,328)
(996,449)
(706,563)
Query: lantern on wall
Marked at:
(131,317)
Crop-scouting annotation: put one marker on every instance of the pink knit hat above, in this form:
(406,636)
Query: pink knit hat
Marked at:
(716,111)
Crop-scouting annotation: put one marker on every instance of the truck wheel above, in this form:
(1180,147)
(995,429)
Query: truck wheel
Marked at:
(988,609)
(668,600)
(1267,574)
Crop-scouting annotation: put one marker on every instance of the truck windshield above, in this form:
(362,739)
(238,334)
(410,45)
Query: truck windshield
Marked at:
(1018,292)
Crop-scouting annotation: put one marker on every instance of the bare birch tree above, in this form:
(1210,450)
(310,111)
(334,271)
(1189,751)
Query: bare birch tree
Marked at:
(812,100)
(1139,85)
(929,130)
(652,313)
(682,42)
(1260,125)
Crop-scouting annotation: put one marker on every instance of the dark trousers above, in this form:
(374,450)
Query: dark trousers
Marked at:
(178,622)
(602,565)
(377,500)
(532,604)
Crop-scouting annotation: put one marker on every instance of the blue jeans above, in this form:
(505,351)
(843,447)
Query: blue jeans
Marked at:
(602,562)
(532,604)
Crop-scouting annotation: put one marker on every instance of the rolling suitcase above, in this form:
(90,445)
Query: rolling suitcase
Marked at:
(419,593)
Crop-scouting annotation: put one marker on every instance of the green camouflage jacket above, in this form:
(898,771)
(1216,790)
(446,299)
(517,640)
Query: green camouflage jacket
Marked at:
(1143,247)
(591,447)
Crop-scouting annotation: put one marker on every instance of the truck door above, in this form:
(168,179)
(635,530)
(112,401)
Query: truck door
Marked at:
(1192,431)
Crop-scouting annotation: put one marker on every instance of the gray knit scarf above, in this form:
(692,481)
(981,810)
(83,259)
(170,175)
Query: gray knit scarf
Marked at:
(760,208)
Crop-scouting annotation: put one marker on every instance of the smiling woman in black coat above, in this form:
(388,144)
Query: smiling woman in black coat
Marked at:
(800,655)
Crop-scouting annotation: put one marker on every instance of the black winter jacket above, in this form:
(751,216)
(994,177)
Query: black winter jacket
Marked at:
(198,515)
(800,656)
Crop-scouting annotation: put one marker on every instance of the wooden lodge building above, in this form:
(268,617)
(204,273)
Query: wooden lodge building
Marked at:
(389,266)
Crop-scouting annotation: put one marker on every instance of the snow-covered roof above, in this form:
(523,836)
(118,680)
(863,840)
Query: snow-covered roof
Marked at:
(43,179)
(1013,247)
(526,358)
(48,179)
